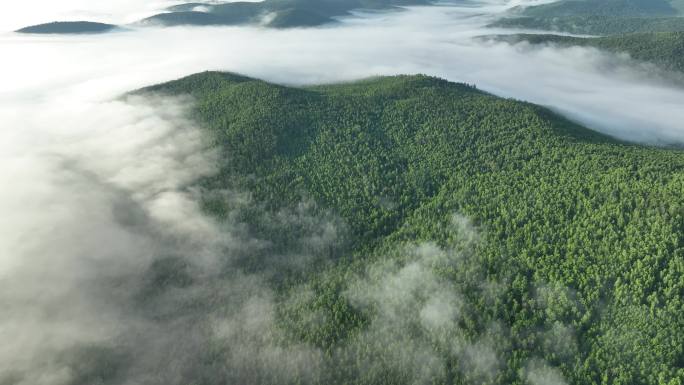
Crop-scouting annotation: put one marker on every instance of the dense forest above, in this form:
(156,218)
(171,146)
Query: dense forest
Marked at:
(606,17)
(477,240)
(594,25)
(623,8)
(663,49)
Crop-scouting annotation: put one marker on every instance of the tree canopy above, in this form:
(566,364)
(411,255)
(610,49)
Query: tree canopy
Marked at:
(558,251)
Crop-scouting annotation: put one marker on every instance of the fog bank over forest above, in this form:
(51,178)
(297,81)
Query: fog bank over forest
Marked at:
(607,92)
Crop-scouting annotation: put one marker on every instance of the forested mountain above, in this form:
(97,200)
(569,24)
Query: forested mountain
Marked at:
(663,49)
(68,27)
(485,240)
(649,31)
(604,17)
(594,25)
(271,13)
(624,8)
(267,13)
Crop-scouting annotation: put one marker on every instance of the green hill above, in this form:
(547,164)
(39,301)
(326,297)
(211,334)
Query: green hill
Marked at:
(630,8)
(663,49)
(68,27)
(277,13)
(579,262)
(594,25)
(604,17)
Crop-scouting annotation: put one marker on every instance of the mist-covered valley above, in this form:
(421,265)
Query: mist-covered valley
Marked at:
(513,214)
(632,101)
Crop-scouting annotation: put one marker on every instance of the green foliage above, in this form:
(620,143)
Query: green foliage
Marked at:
(664,49)
(604,17)
(595,25)
(631,8)
(582,236)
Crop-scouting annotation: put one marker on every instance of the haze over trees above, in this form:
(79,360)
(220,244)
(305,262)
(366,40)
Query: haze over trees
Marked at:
(271,13)
(267,13)
(562,247)
(664,49)
(605,17)
(649,31)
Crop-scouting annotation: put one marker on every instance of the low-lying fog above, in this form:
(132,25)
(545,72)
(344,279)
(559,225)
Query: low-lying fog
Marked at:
(605,92)
(93,188)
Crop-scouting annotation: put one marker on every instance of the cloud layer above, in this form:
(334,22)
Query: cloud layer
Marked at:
(607,92)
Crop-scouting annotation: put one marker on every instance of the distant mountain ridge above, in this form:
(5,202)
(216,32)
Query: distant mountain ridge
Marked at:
(605,17)
(664,49)
(268,13)
(631,8)
(68,27)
